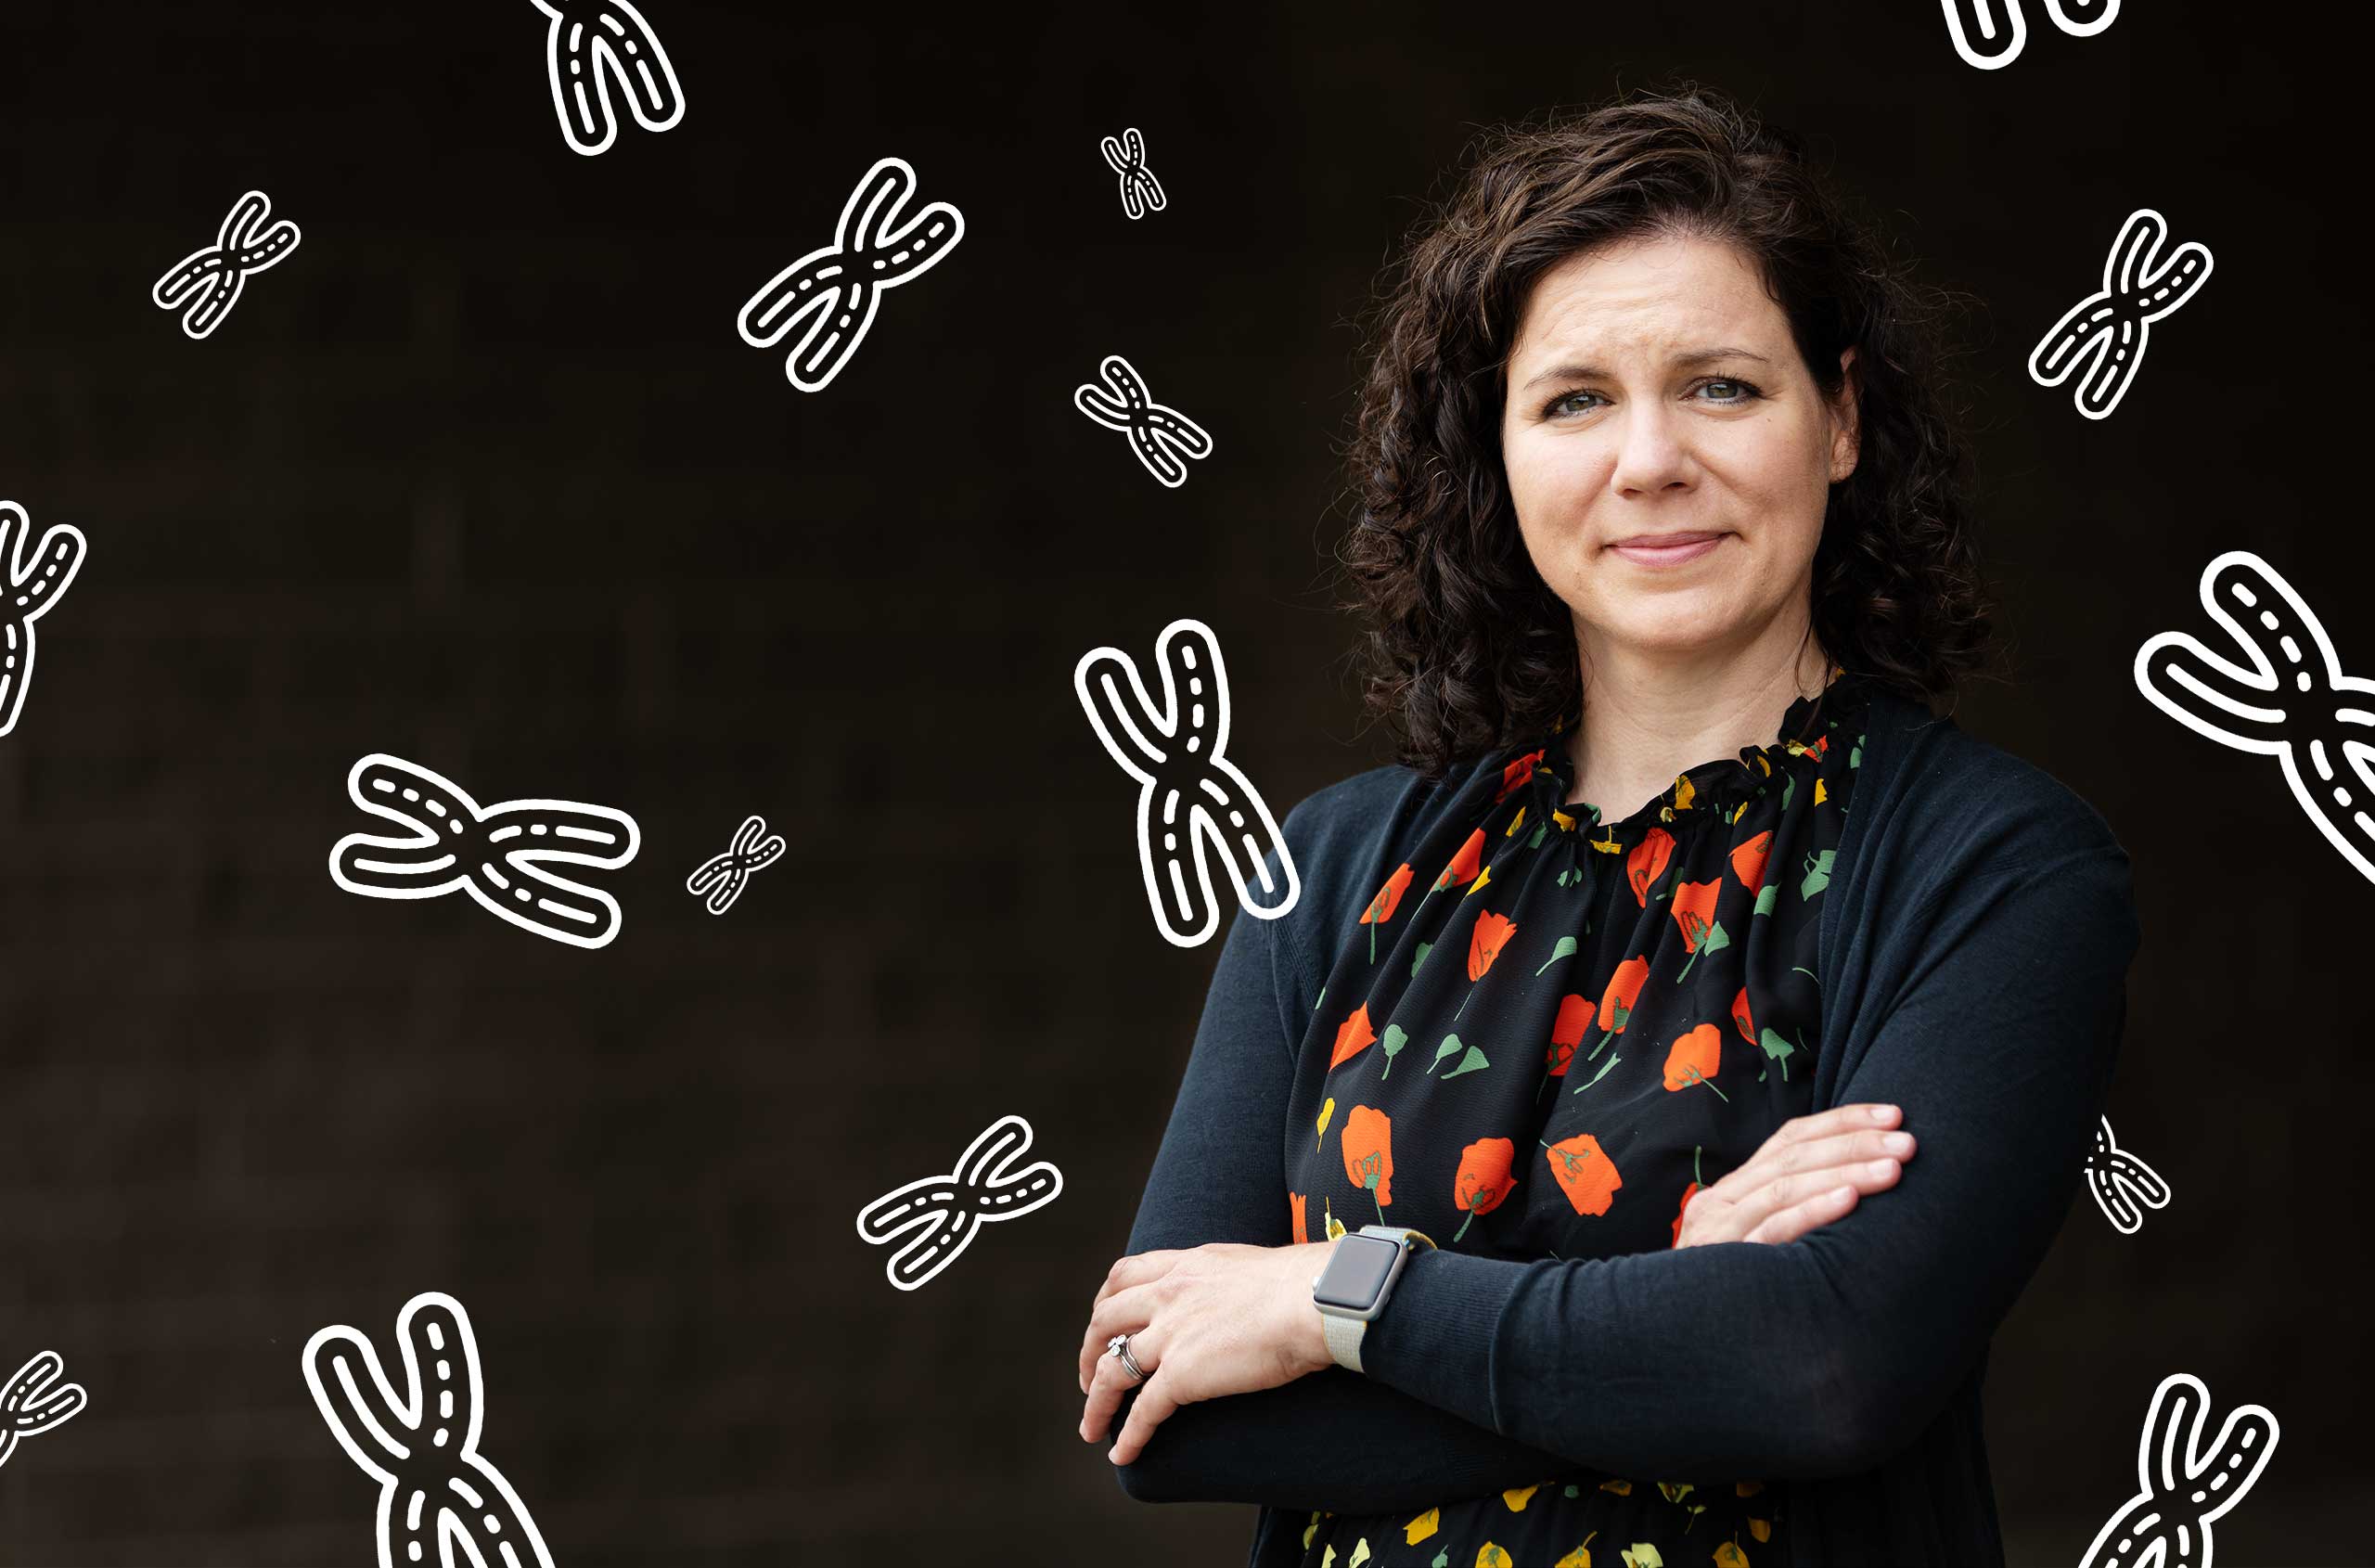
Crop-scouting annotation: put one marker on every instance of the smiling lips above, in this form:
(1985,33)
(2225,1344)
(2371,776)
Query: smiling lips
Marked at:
(1667,550)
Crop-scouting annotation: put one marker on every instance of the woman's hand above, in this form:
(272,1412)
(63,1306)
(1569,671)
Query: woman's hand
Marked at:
(1203,1323)
(1809,1172)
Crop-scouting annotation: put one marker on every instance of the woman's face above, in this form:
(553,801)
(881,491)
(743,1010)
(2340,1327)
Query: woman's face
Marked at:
(1655,393)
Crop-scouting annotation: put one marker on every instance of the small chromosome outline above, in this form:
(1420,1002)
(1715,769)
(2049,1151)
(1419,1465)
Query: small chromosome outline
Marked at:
(837,287)
(2110,330)
(32,589)
(2308,708)
(1175,751)
(2120,1181)
(469,839)
(1160,436)
(721,876)
(1972,24)
(30,1405)
(452,1496)
(211,278)
(2166,1524)
(1141,192)
(602,42)
(946,1212)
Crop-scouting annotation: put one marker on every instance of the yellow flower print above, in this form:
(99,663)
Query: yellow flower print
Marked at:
(1729,1555)
(1490,1556)
(1324,1111)
(1420,1528)
(1517,1497)
(1360,1553)
(1684,793)
(1579,1557)
(1485,877)
(1515,823)
(1641,1554)
(1623,1488)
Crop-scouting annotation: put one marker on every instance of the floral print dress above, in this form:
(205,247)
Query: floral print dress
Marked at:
(1541,1037)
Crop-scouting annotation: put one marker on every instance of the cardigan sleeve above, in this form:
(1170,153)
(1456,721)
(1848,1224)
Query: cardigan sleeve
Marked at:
(1827,1355)
(1332,1440)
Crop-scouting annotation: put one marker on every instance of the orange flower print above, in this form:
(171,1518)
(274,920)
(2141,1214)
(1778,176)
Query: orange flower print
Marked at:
(1517,773)
(1694,1060)
(1694,909)
(1741,1019)
(1353,1037)
(1623,989)
(1483,1179)
(1748,860)
(1648,863)
(1587,1177)
(1566,1034)
(1485,941)
(1381,907)
(1688,1193)
(1295,1201)
(1464,865)
(1368,1154)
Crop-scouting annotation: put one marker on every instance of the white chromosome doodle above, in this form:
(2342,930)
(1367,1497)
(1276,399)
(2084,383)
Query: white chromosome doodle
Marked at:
(211,278)
(836,288)
(1141,192)
(1161,436)
(593,44)
(2294,703)
(1191,792)
(2181,1489)
(1989,42)
(721,876)
(496,853)
(30,1405)
(32,587)
(2119,1181)
(946,1212)
(2109,330)
(423,1446)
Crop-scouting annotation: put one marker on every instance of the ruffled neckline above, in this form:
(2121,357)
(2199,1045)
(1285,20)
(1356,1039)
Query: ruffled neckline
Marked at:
(1804,737)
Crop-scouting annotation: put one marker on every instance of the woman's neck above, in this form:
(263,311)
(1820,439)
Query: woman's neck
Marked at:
(1643,724)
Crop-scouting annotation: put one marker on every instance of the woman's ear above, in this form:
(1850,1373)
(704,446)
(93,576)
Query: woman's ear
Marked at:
(1845,423)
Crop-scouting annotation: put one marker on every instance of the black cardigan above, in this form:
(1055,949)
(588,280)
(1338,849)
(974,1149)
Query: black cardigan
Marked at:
(1974,958)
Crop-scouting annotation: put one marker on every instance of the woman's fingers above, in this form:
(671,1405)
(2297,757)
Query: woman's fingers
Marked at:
(1826,1207)
(1137,1268)
(1123,1312)
(1860,1161)
(1111,1381)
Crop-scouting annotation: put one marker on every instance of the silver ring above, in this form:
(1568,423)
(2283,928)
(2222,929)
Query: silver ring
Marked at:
(1120,1345)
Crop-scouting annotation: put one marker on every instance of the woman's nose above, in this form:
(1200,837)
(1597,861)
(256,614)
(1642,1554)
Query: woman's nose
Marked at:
(1650,455)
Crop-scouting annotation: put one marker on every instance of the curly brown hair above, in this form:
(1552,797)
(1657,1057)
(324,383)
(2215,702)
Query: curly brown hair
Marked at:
(1467,648)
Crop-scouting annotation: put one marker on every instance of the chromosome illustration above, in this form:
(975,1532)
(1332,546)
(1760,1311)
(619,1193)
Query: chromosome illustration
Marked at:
(1991,33)
(1160,436)
(437,1494)
(721,876)
(836,288)
(30,1405)
(210,278)
(1190,793)
(2292,703)
(2108,332)
(36,579)
(2120,1181)
(2181,1489)
(944,1213)
(593,44)
(496,853)
(1141,192)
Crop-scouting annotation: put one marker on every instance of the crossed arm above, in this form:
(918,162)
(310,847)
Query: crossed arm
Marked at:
(1816,1357)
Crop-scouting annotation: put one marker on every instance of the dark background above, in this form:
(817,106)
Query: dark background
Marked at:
(481,475)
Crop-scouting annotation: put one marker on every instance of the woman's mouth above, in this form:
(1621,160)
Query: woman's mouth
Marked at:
(1671,551)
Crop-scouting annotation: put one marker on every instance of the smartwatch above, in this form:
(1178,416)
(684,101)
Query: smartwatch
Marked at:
(1353,1289)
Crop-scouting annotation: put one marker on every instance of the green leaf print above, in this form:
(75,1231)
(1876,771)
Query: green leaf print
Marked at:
(1779,1049)
(1323,997)
(1443,1557)
(1768,898)
(1566,949)
(1450,1045)
(1469,1063)
(1789,787)
(1707,944)
(1536,842)
(1599,1076)
(1395,1038)
(1423,948)
(1818,873)
(1856,756)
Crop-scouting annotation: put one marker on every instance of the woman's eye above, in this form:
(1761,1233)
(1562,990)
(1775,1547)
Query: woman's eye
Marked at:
(1742,390)
(1566,405)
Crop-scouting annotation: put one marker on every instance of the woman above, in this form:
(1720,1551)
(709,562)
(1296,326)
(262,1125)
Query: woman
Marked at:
(1620,1004)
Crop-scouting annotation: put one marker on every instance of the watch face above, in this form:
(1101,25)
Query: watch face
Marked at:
(1356,1272)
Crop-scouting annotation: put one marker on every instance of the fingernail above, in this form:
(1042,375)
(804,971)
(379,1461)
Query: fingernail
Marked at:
(1880,1168)
(1883,1112)
(1898,1143)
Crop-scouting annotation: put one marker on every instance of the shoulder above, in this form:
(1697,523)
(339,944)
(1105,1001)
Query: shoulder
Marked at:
(1951,795)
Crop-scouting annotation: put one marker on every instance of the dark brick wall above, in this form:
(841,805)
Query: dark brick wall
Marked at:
(481,475)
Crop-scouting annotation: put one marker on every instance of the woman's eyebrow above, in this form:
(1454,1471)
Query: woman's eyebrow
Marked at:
(1682,361)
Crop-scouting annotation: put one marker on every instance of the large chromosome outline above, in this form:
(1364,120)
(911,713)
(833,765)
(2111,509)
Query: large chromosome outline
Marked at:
(1175,751)
(30,1405)
(837,287)
(718,880)
(2166,1524)
(1972,26)
(2110,330)
(2120,1180)
(425,1445)
(32,589)
(1141,192)
(600,42)
(1160,436)
(217,273)
(946,1212)
(469,839)
(2293,702)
